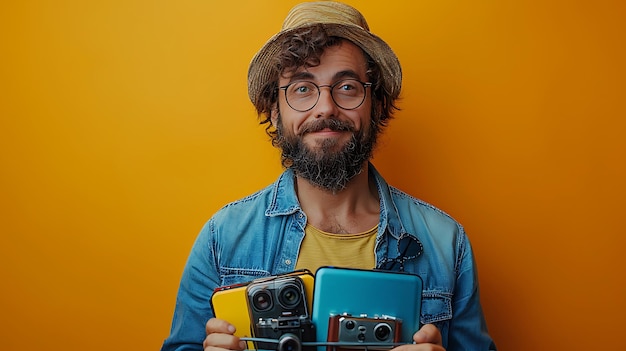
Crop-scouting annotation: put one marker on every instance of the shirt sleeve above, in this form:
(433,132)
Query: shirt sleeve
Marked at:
(193,302)
(468,328)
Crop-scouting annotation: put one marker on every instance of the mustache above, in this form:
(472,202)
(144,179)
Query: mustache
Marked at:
(326,123)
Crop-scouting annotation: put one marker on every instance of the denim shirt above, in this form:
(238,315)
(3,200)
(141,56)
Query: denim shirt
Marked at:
(260,235)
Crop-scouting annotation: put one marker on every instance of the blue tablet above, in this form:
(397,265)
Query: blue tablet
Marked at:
(368,306)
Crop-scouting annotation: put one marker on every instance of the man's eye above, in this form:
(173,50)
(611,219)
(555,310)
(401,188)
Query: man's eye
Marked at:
(302,89)
(346,86)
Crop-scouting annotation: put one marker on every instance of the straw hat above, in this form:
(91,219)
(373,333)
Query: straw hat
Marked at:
(339,20)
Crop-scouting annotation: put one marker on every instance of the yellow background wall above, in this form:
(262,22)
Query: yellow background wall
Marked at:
(125,124)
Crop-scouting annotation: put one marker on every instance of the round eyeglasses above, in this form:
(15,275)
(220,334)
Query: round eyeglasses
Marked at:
(409,247)
(348,94)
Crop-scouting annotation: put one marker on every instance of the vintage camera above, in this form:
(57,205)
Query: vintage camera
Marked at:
(278,310)
(355,330)
(289,331)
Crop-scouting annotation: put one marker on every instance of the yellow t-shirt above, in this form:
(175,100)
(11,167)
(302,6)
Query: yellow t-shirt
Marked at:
(341,250)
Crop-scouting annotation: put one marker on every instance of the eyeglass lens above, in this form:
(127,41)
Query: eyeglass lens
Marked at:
(409,247)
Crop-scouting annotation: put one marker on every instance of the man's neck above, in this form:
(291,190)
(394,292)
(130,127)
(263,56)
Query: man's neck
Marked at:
(354,209)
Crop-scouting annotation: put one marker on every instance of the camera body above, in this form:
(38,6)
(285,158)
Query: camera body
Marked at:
(278,308)
(362,329)
(290,331)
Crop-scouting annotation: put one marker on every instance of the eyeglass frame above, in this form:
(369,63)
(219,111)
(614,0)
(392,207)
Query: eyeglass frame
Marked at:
(404,243)
(331,87)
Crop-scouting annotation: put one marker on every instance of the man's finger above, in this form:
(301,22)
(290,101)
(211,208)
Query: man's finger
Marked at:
(428,334)
(215,325)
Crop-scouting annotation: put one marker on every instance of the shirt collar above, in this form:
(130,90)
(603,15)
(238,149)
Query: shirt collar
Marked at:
(284,201)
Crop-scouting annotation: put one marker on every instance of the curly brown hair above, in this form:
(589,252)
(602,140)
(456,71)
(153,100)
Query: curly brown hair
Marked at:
(305,46)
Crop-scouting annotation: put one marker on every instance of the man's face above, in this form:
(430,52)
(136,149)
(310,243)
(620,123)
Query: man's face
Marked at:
(327,145)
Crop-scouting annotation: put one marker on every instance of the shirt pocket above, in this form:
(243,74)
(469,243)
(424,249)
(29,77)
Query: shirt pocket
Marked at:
(230,276)
(437,309)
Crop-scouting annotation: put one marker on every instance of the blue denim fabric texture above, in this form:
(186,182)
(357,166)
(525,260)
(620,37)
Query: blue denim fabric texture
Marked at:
(260,235)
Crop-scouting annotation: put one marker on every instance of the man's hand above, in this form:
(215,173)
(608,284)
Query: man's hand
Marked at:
(220,336)
(428,338)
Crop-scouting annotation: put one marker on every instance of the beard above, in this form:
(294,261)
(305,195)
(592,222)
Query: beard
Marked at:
(331,166)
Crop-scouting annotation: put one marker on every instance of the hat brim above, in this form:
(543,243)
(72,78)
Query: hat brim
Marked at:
(261,67)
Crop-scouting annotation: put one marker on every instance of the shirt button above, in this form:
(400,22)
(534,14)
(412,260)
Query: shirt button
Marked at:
(288,262)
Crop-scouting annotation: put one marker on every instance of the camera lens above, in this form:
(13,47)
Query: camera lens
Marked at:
(288,342)
(382,331)
(289,296)
(350,324)
(262,301)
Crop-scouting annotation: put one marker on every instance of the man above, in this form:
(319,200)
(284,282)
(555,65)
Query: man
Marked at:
(326,87)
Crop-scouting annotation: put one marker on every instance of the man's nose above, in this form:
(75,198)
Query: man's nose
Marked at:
(326,106)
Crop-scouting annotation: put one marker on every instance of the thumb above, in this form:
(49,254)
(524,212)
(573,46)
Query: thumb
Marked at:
(428,334)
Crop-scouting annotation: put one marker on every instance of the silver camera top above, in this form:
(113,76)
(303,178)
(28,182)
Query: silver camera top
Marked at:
(364,328)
